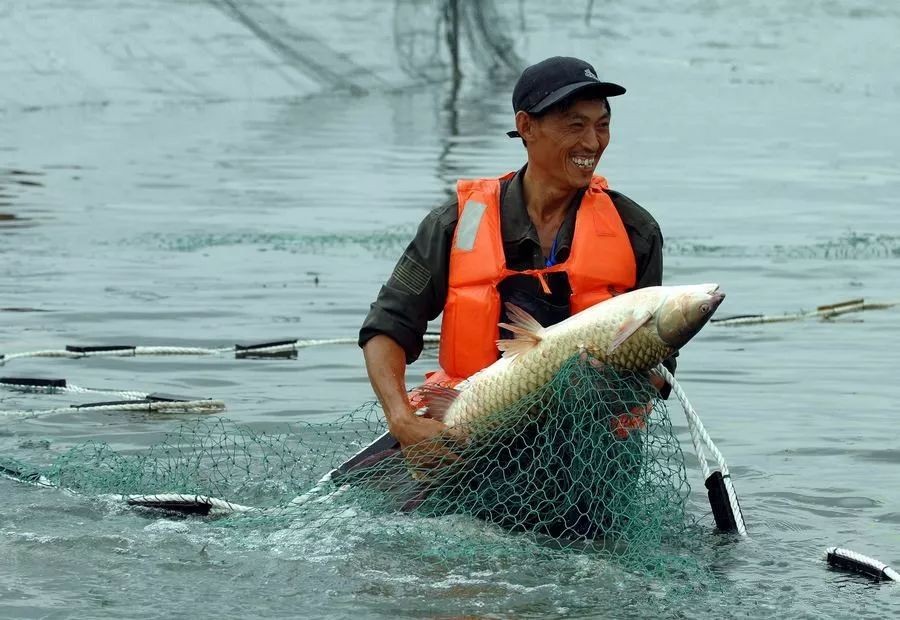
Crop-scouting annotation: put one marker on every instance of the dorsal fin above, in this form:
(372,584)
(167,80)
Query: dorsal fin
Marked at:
(527,332)
(437,400)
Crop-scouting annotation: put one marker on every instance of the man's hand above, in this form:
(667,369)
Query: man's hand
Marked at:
(657,381)
(422,440)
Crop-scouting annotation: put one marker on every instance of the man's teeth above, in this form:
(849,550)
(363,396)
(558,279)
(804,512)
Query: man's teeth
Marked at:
(584,162)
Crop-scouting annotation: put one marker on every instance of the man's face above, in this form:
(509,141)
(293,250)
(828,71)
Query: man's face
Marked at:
(566,146)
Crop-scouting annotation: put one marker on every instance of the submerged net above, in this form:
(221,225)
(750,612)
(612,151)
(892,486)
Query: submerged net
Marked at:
(589,462)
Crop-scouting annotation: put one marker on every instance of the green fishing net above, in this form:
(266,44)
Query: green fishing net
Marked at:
(588,463)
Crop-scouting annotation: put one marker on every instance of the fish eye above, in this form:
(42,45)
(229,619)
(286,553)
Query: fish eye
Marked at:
(704,308)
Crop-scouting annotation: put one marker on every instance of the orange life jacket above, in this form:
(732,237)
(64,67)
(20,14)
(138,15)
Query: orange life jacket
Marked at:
(600,264)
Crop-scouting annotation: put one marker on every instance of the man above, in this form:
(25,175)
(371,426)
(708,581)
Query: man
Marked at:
(551,238)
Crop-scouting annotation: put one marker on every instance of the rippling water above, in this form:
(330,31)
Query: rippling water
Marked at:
(764,139)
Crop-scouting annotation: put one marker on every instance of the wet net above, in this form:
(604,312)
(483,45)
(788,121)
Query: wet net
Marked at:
(588,463)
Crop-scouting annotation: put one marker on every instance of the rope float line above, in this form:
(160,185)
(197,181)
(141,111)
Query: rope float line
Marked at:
(283,349)
(720,490)
(38,385)
(825,313)
(146,405)
(154,402)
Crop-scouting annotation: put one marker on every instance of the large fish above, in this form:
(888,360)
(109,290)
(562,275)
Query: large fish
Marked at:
(633,331)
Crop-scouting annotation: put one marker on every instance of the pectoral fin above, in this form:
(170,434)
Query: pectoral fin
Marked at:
(628,327)
(437,400)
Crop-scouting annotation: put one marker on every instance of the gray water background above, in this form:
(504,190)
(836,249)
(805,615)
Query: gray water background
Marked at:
(168,178)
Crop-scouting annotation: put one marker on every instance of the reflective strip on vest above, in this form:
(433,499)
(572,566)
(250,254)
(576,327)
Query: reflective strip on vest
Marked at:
(469,223)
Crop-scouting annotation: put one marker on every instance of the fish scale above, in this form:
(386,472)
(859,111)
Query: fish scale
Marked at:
(591,331)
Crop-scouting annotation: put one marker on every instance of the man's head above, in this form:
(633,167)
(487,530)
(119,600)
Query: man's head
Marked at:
(562,116)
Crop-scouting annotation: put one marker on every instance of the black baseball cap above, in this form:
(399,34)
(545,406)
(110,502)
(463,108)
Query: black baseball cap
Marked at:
(552,80)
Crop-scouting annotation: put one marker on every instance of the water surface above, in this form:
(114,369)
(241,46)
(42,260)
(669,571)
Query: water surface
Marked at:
(251,201)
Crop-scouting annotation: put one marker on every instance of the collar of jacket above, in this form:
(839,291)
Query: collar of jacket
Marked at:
(516,226)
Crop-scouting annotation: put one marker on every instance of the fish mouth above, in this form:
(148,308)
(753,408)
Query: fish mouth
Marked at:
(716,297)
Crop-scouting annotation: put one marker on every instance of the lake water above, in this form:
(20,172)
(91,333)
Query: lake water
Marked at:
(167,179)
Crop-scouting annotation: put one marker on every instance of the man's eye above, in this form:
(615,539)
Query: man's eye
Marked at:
(577,125)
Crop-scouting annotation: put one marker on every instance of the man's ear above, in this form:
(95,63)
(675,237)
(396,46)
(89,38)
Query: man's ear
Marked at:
(525,125)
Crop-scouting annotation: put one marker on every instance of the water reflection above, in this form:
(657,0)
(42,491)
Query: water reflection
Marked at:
(451,113)
(434,41)
(13,182)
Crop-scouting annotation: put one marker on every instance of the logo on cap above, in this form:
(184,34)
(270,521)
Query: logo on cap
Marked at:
(591,74)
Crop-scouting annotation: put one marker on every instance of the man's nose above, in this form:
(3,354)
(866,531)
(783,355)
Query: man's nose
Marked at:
(590,140)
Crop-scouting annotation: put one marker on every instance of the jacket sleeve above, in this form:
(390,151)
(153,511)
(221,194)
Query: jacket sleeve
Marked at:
(416,291)
(647,243)
(648,255)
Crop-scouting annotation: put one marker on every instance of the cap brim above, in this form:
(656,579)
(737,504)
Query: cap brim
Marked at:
(601,89)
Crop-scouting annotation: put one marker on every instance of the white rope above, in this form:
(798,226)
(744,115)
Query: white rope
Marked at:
(67,354)
(127,395)
(190,406)
(694,423)
(701,439)
(128,351)
(73,389)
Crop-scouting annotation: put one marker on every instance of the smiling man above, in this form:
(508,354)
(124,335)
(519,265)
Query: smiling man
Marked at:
(551,238)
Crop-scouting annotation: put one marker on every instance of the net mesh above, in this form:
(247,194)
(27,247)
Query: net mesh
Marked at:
(589,462)
(428,33)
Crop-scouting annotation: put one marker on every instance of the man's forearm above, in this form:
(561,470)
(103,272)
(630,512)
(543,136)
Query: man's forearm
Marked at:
(386,366)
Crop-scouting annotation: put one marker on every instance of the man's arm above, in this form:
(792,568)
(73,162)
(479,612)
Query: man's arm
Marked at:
(648,255)
(416,291)
(386,365)
(392,334)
